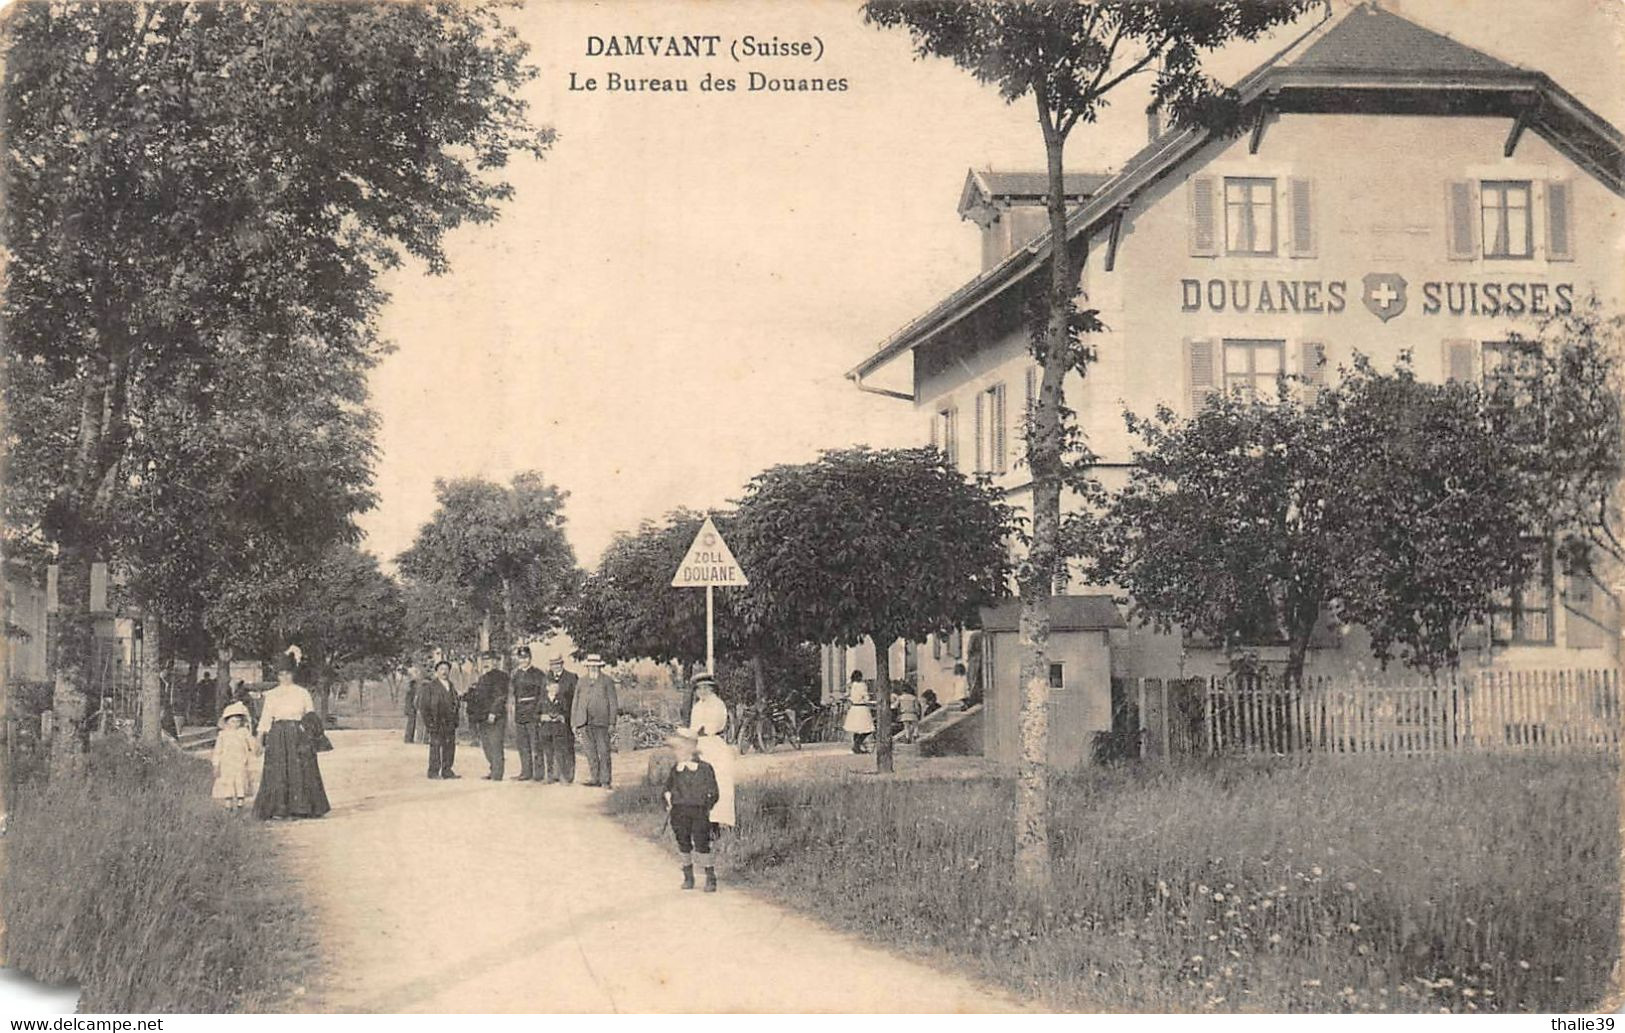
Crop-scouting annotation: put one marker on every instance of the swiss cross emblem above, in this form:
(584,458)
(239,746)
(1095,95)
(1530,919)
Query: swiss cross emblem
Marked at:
(1384,294)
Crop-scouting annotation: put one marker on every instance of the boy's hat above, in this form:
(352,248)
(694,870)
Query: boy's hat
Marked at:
(594,660)
(234,710)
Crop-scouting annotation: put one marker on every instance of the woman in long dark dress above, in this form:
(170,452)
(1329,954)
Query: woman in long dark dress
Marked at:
(291,784)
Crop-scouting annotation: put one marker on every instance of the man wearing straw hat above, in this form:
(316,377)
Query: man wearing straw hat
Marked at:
(593,711)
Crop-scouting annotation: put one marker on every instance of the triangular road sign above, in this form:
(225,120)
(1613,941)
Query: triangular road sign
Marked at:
(709,562)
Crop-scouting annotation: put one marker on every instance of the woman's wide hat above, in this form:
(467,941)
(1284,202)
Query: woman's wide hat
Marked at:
(705,678)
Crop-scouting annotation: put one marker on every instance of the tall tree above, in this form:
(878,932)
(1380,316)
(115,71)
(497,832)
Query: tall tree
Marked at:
(883,545)
(627,609)
(502,549)
(347,615)
(190,185)
(1069,56)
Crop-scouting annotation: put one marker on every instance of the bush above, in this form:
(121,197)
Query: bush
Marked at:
(130,882)
(1483,883)
(640,731)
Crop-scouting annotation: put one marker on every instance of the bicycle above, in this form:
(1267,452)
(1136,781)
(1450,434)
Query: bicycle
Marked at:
(766,727)
(824,724)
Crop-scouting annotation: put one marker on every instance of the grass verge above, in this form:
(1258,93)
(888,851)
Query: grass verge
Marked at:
(129,882)
(1463,884)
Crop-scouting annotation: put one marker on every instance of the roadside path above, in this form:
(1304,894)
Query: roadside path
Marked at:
(472,896)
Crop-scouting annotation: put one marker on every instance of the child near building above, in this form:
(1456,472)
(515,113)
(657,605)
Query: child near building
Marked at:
(234,754)
(691,792)
(908,711)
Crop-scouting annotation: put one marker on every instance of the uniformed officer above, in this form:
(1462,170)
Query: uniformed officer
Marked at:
(528,685)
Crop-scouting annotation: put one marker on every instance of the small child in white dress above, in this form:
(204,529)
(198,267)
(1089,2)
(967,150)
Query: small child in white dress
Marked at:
(234,753)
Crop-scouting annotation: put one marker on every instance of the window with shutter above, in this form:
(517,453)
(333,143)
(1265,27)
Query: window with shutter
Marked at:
(1204,236)
(1559,221)
(1459,356)
(1312,363)
(1300,199)
(1461,219)
(981,434)
(997,443)
(1200,381)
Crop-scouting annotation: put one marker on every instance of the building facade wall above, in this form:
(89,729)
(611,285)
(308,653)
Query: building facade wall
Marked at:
(1366,214)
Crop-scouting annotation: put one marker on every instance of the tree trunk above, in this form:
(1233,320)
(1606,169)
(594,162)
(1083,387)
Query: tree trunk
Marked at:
(685,675)
(1045,444)
(152,686)
(222,682)
(882,699)
(74,635)
(761,682)
(184,713)
(323,690)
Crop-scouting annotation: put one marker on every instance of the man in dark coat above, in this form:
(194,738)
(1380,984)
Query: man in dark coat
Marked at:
(488,712)
(566,682)
(528,686)
(593,712)
(555,734)
(437,703)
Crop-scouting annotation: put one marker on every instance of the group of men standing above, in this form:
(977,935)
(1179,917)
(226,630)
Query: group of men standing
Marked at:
(549,708)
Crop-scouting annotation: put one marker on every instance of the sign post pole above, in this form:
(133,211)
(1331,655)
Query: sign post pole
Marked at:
(710,631)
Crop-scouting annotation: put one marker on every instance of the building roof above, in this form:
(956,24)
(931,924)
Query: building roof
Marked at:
(1067,613)
(987,187)
(1390,60)
(1371,39)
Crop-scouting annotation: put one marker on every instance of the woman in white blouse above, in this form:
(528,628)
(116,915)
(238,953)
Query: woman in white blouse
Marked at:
(291,782)
(707,721)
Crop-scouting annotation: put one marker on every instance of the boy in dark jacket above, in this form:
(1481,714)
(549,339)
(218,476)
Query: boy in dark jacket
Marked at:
(691,792)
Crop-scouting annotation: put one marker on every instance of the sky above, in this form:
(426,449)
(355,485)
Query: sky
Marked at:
(671,301)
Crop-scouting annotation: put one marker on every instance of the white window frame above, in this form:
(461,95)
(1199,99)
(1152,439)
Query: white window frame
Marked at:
(1252,345)
(1272,189)
(1505,188)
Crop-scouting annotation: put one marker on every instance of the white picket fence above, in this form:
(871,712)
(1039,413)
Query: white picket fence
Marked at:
(1535,710)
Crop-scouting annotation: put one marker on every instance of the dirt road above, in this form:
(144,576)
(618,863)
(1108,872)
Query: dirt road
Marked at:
(473,896)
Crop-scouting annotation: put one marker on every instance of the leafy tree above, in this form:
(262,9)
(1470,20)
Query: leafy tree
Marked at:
(870,544)
(439,615)
(1068,57)
(1398,505)
(348,616)
(199,187)
(502,549)
(627,609)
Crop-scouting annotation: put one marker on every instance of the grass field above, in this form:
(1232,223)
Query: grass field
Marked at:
(132,884)
(1464,884)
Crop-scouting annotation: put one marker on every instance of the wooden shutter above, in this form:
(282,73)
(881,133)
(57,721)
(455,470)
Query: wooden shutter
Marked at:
(1300,202)
(1312,363)
(1459,364)
(1204,217)
(1001,447)
(1461,219)
(936,432)
(1559,221)
(1201,380)
(981,431)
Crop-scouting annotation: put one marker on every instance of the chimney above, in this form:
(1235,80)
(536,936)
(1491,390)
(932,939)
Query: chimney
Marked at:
(1153,123)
